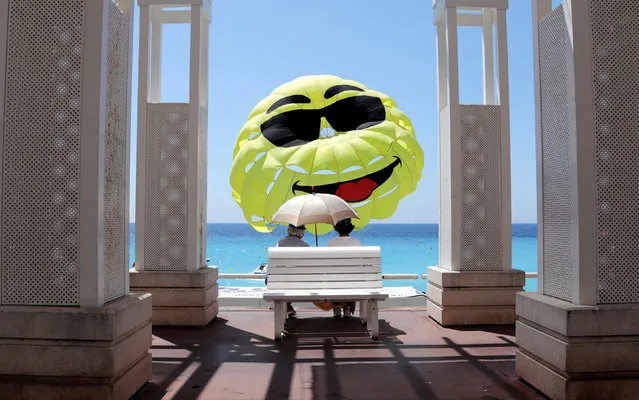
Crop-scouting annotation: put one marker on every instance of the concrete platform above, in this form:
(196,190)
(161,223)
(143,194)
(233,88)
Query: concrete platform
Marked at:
(473,297)
(251,296)
(179,298)
(576,352)
(75,353)
(234,357)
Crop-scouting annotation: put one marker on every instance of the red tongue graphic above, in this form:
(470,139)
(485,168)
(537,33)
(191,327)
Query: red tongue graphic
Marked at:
(356,191)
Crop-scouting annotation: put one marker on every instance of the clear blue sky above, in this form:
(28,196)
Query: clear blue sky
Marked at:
(388,46)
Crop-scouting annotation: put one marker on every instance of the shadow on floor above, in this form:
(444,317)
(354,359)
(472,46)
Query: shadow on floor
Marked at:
(321,358)
(322,326)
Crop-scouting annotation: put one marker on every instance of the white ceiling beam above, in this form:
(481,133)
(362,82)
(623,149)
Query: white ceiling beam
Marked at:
(469,19)
(175,17)
(472,4)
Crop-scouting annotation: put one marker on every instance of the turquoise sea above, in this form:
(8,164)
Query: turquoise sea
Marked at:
(406,249)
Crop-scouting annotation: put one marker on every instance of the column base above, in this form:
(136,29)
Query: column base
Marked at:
(179,298)
(473,297)
(572,352)
(75,353)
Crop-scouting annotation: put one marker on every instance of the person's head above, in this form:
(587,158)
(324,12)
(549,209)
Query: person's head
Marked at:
(344,227)
(296,230)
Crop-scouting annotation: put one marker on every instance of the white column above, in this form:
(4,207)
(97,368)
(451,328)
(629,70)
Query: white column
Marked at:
(488,53)
(540,9)
(204,123)
(156,53)
(442,66)
(144,48)
(193,205)
(454,196)
(68,211)
(475,216)
(575,333)
(504,125)
(91,198)
(588,196)
(171,216)
(65,86)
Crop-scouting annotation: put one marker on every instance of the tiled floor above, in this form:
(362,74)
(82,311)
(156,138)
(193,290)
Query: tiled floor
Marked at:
(235,358)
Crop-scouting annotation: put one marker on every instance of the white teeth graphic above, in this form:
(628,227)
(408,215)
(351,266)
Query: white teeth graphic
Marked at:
(389,192)
(277,173)
(374,160)
(260,155)
(360,204)
(269,187)
(297,168)
(249,166)
(350,169)
(327,132)
(324,172)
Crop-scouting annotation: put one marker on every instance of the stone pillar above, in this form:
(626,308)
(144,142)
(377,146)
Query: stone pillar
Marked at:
(69,328)
(170,223)
(474,282)
(579,334)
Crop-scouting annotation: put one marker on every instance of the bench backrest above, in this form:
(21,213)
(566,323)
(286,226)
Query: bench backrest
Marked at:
(324,267)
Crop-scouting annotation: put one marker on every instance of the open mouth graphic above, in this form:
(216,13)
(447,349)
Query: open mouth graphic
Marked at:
(354,190)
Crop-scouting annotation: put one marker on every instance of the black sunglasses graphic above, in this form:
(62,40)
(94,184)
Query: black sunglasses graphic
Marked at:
(298,127)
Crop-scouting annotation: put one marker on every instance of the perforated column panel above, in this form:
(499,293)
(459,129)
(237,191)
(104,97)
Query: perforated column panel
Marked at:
(557,151)
(481,247)
(40,150)
(115,159)
(615,61)
(167,141)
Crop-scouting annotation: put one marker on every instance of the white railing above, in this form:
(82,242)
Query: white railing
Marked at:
(388,277)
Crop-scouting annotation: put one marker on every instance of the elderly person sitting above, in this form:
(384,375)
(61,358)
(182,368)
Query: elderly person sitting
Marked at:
(344,229)
(292,239)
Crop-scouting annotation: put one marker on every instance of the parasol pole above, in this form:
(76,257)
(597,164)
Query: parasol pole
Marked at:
(316,245)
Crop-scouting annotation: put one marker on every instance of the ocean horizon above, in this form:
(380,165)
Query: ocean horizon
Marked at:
(407,248)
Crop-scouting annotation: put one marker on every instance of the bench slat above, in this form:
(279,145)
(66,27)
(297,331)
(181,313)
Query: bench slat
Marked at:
(324,285)
(282,262)
(335,269)
(324,252)
(303,295)
(325,278)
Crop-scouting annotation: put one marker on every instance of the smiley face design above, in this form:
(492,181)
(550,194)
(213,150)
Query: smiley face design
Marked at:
(324,134)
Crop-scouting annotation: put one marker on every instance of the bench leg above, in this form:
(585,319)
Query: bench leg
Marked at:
(280,318)
(363,307)
(372,321)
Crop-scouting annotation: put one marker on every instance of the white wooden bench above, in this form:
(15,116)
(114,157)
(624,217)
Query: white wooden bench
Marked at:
(307,274)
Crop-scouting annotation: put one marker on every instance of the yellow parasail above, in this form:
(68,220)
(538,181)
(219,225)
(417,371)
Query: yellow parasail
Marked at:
(324,134)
